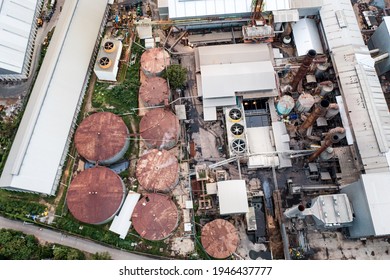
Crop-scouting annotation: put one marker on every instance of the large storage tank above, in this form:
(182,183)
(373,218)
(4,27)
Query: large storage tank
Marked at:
(158,171)
(102,137)
(155,216)
(95,195)
(154,61)
(154,91)
(304,103)
(160,129)
(219,238)
(285,105)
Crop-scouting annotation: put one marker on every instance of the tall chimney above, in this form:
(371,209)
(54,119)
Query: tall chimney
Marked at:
(334,135)
(311,54)
(319,110)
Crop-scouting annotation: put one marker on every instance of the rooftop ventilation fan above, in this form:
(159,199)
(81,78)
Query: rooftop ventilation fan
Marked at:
(104,62)
(235,114)
(109,46)
(238,146)
(237,129)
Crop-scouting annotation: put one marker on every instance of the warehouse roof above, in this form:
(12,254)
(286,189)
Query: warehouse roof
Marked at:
(340,24)
(366,105)
(203,8)
(232,197)
(370,199)
(17,21)
(306,36)
(40,146)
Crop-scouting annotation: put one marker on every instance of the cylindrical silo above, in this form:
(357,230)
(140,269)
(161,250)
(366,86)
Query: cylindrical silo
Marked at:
(157,171)
(219,238)
(321,69)
(160,129)
(304,103)
(154,61)
(285,105)
(154,91)
(95,195)
(155,217)
(102,137)
(326,88)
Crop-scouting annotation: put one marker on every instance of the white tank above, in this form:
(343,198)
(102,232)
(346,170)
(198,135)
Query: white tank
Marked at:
(285,105)
(304,103)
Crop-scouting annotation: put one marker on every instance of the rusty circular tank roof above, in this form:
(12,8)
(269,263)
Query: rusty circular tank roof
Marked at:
(101,136)
(155,216)
(157,171)
(95,195)
(154,91)
(155,60)
(219,238)
(159,127)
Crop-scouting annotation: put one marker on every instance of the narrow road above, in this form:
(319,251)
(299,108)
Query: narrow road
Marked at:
(52,236)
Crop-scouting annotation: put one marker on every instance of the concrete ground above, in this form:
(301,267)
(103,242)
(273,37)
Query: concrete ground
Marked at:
(334,246)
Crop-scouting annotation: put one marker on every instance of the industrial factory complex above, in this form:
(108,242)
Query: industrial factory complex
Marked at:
(275,144)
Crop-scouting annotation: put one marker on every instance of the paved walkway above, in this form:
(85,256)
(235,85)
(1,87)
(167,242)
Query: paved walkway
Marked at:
(52,236)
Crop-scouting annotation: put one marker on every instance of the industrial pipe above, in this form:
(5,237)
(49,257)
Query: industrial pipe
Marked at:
(334,136)
(319,110)
(381,57)
(302,71)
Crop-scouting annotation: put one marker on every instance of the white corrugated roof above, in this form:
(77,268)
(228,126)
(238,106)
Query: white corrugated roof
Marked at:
(16,23)
(282,143)
(378,197)
(364,105)
(259,139)
(40,145)
(286,16)
(340,24)
(121,222)
(232,197)
(201,8)
(223,80)
(275,5)
(233,53)
(306,36)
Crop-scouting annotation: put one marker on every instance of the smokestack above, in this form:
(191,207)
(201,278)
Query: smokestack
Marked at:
(334,136)
(319,110)
(311,54)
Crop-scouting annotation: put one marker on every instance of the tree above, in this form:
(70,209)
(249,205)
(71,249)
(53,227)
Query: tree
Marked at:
(101,256)
(176,75)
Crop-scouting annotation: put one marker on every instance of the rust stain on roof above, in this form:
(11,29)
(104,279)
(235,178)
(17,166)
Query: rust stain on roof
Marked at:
(154,91)
(160,128)
(219,238)
(155,216)
(154,60)
(95,195)
(157,171)
(101,136)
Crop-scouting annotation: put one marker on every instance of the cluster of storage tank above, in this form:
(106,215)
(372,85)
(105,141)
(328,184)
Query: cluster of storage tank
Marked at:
(311,101)
(155,216)
(96,194)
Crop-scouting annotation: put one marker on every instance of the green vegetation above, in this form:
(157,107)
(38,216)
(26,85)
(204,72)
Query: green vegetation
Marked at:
(21,205)
(15,245)
(121,98)
(8,127)
(101,256)
(176,75)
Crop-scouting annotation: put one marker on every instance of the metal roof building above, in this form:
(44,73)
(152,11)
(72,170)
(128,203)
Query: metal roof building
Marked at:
(179,9)
(340,25)
(18,30)
(40,147)
(370,198)
(232,197)
(231,70)
(365,105)
(121,223)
